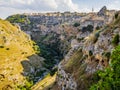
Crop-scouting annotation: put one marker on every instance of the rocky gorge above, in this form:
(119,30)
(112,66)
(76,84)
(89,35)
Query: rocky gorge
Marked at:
(70,47)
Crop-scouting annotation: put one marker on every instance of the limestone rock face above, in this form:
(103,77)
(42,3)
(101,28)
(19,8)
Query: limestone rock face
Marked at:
(84,52)
(65,80)
(74,43)
(33,64)
(79,66)
(102,11)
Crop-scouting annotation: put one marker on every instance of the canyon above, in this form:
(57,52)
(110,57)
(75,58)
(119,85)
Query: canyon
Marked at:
(58,51)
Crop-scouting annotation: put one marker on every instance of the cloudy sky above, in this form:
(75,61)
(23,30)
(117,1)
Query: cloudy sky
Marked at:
(9,7)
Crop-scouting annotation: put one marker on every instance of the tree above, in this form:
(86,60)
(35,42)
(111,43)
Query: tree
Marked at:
(88,28)
(109,79)
(116,15)
(76,24)
(115,40)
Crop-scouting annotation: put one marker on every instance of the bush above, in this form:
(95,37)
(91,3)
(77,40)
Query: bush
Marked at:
(53,71)
(117,21)
(88,28)
(76,24)
(116,15)
(97,34)
(107,54)
(90,53)
(36,48)
(98,27)
(40,73)
(18,19)
(109,79)
(115,40)
(27,86)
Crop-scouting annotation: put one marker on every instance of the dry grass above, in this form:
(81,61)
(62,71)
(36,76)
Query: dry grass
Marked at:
(45,84)
(15,46)
(74,61)
(76,67)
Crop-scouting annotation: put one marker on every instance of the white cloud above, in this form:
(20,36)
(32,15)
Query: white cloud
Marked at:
(9,11)
(50,3)
(114,5)
(8,7)
(67,5)
(37,5)
(41,4)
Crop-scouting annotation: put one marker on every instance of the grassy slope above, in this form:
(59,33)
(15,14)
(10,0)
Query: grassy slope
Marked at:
(46,83)
(15,46)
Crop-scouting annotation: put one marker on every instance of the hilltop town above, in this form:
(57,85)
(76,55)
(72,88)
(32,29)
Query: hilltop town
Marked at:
(47,22)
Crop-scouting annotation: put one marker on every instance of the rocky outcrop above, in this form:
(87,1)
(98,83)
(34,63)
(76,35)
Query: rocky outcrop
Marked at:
(102,11)
(65,80)
(33,68)
(94,54)
(85,49)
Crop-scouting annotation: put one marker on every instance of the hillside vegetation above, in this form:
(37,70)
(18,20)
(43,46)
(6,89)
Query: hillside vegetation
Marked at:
(90,55)
(95,65)
(15,47)
(18,19)
(109,78)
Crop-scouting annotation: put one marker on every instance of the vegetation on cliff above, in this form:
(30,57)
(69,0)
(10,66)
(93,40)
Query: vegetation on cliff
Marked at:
(94,54)
(109,79)
(15,47)
(18,19)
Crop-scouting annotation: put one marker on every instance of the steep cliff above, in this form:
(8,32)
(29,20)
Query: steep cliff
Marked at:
(17,57)
(77,71)
(86,48)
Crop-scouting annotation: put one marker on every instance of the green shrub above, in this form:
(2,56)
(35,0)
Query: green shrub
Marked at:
(109,79)
(90,53)
(116,15)
(53,71)
(97,34)
(117,21)
(76,24)
(115,40)
(98,27)
(36,48)
(107,54)
(88,28)
(27,86)
(40,73)
(18,19)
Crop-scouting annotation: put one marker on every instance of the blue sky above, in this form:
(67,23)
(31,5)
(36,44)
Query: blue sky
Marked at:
(9,7)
